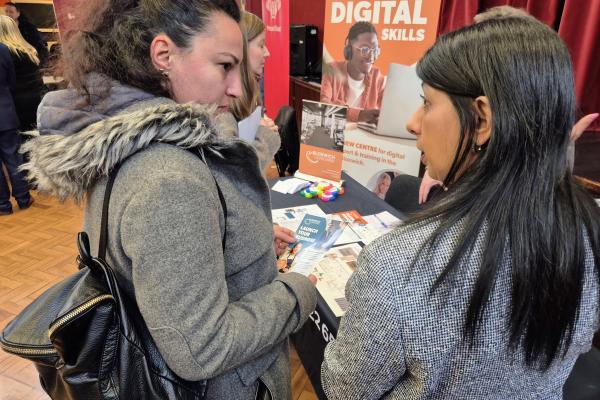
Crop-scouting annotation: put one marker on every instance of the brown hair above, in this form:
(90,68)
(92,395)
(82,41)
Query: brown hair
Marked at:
(243,106)
(114,40)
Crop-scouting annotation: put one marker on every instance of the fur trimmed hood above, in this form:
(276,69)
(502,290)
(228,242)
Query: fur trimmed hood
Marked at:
(66,164)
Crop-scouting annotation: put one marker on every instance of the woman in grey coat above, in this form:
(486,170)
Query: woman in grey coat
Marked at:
(492,292)
(140,74)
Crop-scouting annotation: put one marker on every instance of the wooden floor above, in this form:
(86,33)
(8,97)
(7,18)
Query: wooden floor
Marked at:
(37,249)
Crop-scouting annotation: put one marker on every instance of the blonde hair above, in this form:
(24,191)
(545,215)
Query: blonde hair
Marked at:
(251,26)
(12,38)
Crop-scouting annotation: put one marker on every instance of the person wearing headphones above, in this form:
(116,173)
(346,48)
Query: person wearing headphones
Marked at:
(356,82)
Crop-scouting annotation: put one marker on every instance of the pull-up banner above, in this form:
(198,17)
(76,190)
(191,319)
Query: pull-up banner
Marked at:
(370,53)
(275,15)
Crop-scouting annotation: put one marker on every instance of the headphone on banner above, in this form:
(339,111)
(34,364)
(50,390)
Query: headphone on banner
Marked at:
(348,49)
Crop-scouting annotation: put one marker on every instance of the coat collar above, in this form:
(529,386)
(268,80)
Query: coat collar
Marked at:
(67,163)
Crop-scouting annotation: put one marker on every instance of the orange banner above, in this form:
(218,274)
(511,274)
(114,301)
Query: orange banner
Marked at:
(370,52)
(405,28)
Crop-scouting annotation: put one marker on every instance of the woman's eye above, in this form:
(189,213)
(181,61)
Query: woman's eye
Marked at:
(227,66)
(425,102)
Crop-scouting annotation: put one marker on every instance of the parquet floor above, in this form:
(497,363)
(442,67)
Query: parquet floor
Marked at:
(37,249)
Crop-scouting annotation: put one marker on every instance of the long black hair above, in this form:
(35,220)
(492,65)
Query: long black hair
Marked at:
(519,192)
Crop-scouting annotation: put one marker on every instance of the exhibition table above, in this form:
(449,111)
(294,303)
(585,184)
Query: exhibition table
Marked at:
(322,326)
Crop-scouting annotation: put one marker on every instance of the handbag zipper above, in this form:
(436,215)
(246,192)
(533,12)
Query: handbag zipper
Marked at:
(77,311)
(28,351)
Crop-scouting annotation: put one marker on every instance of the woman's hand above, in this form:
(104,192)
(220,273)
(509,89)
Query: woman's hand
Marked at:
(282,238)
(426,184)
(582,125)
(269,123)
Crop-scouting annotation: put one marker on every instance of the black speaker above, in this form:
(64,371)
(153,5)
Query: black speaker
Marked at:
(304,50)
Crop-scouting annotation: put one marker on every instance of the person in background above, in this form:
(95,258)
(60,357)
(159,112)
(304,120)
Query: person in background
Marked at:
(29,86)
(9,140)
(267,140)
(356,82)
(255,31)
(28,30)
(148,80)
(493,291)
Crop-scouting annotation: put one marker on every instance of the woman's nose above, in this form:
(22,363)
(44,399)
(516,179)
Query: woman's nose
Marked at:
(414,122)
(234,89)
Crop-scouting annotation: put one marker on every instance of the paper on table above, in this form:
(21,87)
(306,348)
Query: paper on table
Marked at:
(352,217)
(247,127)
(280,186)
(333,272)
(290,186)
(378,224)
(283,215)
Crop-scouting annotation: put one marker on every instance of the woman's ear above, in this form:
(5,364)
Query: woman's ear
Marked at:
(161,52)
(483,130)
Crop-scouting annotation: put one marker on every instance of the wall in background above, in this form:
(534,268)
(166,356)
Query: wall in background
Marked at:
(309,13)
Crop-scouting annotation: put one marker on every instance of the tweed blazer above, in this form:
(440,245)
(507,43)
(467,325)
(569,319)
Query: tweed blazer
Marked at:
(398,341)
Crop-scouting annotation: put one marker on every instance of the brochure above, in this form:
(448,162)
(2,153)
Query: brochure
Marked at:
(285,216)
(248,127)
(351,217)
(333,272)
(377,225)
(314,236)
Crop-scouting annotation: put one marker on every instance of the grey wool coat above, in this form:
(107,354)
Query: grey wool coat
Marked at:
(219,315)
(398,341)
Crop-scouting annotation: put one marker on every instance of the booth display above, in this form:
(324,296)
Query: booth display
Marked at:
(369,55)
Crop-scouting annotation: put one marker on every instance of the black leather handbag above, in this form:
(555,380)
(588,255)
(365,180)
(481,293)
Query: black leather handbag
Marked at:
(89,341)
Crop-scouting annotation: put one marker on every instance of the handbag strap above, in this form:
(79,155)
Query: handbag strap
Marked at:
(102,246)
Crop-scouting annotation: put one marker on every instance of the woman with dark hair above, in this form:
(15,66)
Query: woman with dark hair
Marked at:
(493,291)
(356,82)
(189,227)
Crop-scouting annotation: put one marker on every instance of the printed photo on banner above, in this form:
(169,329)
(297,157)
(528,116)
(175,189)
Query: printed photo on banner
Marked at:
(321,141)
(370,52)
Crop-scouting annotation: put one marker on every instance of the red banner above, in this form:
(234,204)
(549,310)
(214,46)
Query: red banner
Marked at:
(275,15)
